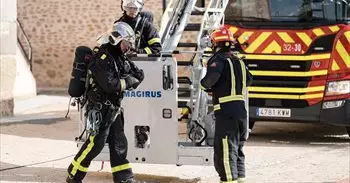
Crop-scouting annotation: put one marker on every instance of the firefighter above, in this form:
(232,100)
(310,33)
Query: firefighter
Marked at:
(147,38)
(111,74)
(226,79)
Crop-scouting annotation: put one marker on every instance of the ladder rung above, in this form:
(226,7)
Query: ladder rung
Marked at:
(184,63)
(184,80)
(184,95)
(187,44)
(181,104)
(186,89)
(182,118)
(193,27)
(195,12)
(185,99)
(184,92)
(215,10)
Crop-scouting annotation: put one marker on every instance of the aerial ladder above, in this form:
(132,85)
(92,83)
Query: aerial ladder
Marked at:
(163,144)
(150,111)
(175,24)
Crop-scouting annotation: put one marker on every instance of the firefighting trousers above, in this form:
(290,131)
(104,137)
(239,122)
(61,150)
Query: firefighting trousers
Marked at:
(229,140)
(111,132)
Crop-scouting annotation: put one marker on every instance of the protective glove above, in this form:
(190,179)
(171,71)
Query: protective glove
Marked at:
(131,82)
(137,73)
(127,67)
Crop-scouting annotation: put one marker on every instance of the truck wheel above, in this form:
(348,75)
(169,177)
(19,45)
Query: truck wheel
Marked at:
(251,124)
(348,130)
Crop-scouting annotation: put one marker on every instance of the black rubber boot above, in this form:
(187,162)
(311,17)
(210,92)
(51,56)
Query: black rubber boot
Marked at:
(131,180)
(71,180)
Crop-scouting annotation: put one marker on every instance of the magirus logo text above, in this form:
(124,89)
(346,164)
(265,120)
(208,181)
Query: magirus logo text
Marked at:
(143,94)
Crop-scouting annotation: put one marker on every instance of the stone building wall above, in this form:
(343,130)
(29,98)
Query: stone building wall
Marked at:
(56,27)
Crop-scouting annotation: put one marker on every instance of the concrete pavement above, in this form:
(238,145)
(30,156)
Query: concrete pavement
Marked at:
(276,152)
(38,109)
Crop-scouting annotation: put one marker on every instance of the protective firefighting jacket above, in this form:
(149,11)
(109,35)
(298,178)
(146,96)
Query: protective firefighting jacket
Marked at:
(109,69)
(147,37)
(227,78)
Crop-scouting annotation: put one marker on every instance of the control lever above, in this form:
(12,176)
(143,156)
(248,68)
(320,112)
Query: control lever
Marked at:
(168,80)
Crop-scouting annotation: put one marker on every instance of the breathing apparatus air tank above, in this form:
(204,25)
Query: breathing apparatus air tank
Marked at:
(77,82)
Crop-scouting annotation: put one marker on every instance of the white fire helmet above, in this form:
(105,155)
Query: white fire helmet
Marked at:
(120,31)
(132,4)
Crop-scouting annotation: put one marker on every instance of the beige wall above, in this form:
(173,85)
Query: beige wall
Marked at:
(7,55)
(56,27)
(7,82)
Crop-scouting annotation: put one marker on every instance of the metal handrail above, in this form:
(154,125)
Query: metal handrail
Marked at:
(29,53)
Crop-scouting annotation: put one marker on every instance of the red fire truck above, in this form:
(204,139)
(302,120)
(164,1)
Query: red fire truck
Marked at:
(299,54)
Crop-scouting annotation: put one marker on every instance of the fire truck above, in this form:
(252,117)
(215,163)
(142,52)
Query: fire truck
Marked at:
(299,54)
(297,50)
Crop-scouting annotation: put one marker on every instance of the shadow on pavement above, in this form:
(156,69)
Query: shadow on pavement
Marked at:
(297,134)
(31,174)
(55,127)
(25,119)
(264,133)
(47,174)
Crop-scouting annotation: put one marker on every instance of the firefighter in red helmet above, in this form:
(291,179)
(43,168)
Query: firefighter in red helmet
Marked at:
(227,79)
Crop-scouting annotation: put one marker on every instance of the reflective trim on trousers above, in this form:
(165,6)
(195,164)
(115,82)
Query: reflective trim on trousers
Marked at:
(240,180)
(226,159)
(121,168)
(79,167)
(83,155)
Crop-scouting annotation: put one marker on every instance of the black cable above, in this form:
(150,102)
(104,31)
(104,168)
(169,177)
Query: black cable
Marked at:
(68,107)
(81,135)
(22,166)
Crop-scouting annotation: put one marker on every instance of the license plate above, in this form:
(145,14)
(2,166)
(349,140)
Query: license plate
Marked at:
(273,112)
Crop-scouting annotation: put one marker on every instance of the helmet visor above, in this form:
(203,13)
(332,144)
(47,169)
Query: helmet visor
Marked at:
(116,38)
(122,31)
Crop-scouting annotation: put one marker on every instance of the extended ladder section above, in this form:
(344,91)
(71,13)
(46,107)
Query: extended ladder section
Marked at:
(212,19)
(176,25)
(153,135)
(174,21)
